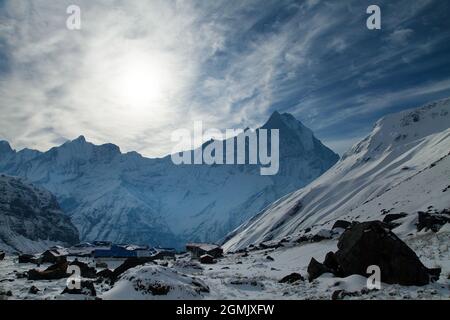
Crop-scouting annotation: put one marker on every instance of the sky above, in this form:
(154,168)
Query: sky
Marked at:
(138,70)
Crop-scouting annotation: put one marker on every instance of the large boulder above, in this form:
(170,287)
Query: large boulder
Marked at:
(292,278)
(54,272)
(373,243)
(2,255)
(316,269)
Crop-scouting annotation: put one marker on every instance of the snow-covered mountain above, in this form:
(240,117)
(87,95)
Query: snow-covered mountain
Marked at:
(128,198)
(30,218)
(402,166)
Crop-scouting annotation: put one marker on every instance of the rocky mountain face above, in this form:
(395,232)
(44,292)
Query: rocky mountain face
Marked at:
(121,197)
(402,168)
(30,218)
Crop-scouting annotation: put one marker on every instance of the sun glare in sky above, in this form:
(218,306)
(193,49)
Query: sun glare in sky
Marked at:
(141,82)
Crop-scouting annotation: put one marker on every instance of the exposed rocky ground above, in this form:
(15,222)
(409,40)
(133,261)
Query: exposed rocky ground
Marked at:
(266,271)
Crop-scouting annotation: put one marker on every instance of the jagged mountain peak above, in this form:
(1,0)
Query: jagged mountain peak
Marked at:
(400,167)
(5,147)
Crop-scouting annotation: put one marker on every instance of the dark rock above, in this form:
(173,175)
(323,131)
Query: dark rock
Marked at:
(432,221)
(54,272)
(270,258)
(200,287)
(33,290)
(2,255)
(128,264)
(372,243)
(341,224)
(293,277)
(390,218)
(322,235)
(316,269)
(87,288)
(303,239)
(332,264)
(105,274)
(86,271)
(341,294)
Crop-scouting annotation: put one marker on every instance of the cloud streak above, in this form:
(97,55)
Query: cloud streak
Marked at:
(228,63)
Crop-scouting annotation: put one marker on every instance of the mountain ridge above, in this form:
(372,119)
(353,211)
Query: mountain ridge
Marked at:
(384,171)
(125,197)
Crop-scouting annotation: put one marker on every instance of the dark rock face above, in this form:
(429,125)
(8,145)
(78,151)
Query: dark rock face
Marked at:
(341,224)
(2,255)
(332,264)
(54,272)
(86,271)
(392,217)
(128,264)
(316,269)
(372,243)
(87,288)
(31,212)
(293,277)
(433,221)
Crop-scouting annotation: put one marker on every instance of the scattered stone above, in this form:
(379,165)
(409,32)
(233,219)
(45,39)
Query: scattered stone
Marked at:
(33,290)
(293,277)
(341,294)
(270,258)
(105,274)
(432,221)
(316,269)
(342,224)
(86,271)
(322,235)
(332,264)
(390,218)
(54,272)
(87,288)
(128,264)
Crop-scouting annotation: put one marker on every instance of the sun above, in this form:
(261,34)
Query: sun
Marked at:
(142,81)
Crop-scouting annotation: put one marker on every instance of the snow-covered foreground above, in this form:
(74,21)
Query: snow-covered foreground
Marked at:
(254,275)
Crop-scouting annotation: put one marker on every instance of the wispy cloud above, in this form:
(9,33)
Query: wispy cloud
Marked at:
(228,63)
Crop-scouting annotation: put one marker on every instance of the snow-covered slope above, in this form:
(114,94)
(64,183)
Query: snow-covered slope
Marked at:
(128,198)
(402,166)
(30,218)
